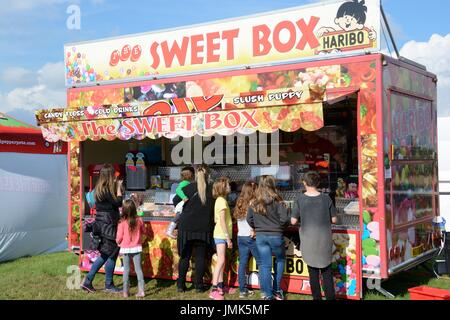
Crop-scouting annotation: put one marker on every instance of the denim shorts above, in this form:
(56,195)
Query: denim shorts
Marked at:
(220,241)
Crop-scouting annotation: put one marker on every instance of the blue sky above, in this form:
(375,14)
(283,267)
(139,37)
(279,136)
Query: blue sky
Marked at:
(33,32)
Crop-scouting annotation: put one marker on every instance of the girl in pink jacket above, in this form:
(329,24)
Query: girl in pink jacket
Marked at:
(129,238)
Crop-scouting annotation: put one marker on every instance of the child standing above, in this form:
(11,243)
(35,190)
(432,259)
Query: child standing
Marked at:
(246,236)
(316,213)
(269,216)
(129,238)
(187,176)
(222,234)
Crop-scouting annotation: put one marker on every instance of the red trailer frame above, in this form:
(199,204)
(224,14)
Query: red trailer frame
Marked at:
(371,91)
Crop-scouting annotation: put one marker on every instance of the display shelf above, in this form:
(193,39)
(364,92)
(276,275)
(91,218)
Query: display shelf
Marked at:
(162,219)
(348,220)
(345,227)
(150,196)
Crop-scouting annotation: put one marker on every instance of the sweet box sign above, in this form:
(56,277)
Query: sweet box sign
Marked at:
(295,34)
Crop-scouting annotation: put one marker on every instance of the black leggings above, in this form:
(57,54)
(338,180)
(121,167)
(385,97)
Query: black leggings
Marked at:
(200,262)
(328,283)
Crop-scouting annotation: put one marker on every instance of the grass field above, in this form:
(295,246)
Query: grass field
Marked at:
(45,277)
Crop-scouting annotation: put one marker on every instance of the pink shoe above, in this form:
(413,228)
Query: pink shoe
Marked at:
(126,294)
(215,295)
(140,294)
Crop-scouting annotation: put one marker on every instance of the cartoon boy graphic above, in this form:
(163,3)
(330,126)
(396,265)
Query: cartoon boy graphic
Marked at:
(351,16)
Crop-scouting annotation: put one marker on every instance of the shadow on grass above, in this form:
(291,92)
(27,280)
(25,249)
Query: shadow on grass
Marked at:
(399,284)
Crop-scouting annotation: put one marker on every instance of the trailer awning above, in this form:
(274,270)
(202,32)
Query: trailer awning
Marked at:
(334,96)
(265,111)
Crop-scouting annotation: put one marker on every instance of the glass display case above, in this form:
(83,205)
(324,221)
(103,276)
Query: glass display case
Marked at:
(156,204)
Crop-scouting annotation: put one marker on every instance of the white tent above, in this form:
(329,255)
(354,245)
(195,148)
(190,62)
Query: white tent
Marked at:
(33,196)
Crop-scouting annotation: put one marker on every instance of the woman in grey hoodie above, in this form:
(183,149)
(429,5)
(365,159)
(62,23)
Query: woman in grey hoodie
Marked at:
(268,216)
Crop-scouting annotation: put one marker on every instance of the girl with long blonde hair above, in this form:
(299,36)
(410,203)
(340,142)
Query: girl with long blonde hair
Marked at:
(195,229)
(222,234)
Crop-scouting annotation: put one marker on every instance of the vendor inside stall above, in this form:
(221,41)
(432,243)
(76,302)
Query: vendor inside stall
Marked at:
(314,150)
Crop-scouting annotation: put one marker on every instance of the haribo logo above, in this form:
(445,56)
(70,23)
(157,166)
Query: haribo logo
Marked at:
(125,54)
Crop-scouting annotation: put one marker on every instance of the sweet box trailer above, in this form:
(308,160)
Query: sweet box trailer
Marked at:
(379,110)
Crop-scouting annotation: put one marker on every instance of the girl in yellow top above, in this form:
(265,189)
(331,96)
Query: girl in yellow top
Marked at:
(222,234)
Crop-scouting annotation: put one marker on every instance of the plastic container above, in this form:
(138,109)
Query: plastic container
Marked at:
(428,293)
(352,208)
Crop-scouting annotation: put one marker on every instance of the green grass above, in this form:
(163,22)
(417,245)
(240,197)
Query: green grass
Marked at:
(45,277)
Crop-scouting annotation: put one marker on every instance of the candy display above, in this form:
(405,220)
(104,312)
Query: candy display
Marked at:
(371,242)
(74,192)
(78,68)
(341,188)
(346,263)
(352,191)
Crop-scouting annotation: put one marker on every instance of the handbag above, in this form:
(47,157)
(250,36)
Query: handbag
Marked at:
(95,241)
(88,224)
(90,227)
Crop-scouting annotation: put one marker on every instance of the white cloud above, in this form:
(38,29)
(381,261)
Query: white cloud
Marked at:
(52,75)
(25,5)
(434,54)
(47,90)
(397,30)
(17,77)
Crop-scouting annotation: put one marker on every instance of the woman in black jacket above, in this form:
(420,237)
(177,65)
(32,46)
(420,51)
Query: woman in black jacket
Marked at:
(195,229)
(108,199)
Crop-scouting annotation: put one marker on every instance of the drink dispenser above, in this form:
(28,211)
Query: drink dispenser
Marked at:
(136,171)
(141,171)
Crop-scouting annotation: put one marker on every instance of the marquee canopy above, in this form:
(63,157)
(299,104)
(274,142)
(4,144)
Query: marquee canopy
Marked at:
(17,136)
(266,111)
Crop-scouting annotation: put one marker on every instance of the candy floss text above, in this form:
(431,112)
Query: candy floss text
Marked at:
(212,47)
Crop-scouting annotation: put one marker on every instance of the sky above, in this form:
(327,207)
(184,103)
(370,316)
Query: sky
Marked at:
(33,33)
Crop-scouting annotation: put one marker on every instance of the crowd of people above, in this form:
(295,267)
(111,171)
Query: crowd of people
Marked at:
(204,222)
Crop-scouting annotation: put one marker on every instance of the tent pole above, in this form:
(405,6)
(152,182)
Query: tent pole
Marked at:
(390,32)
